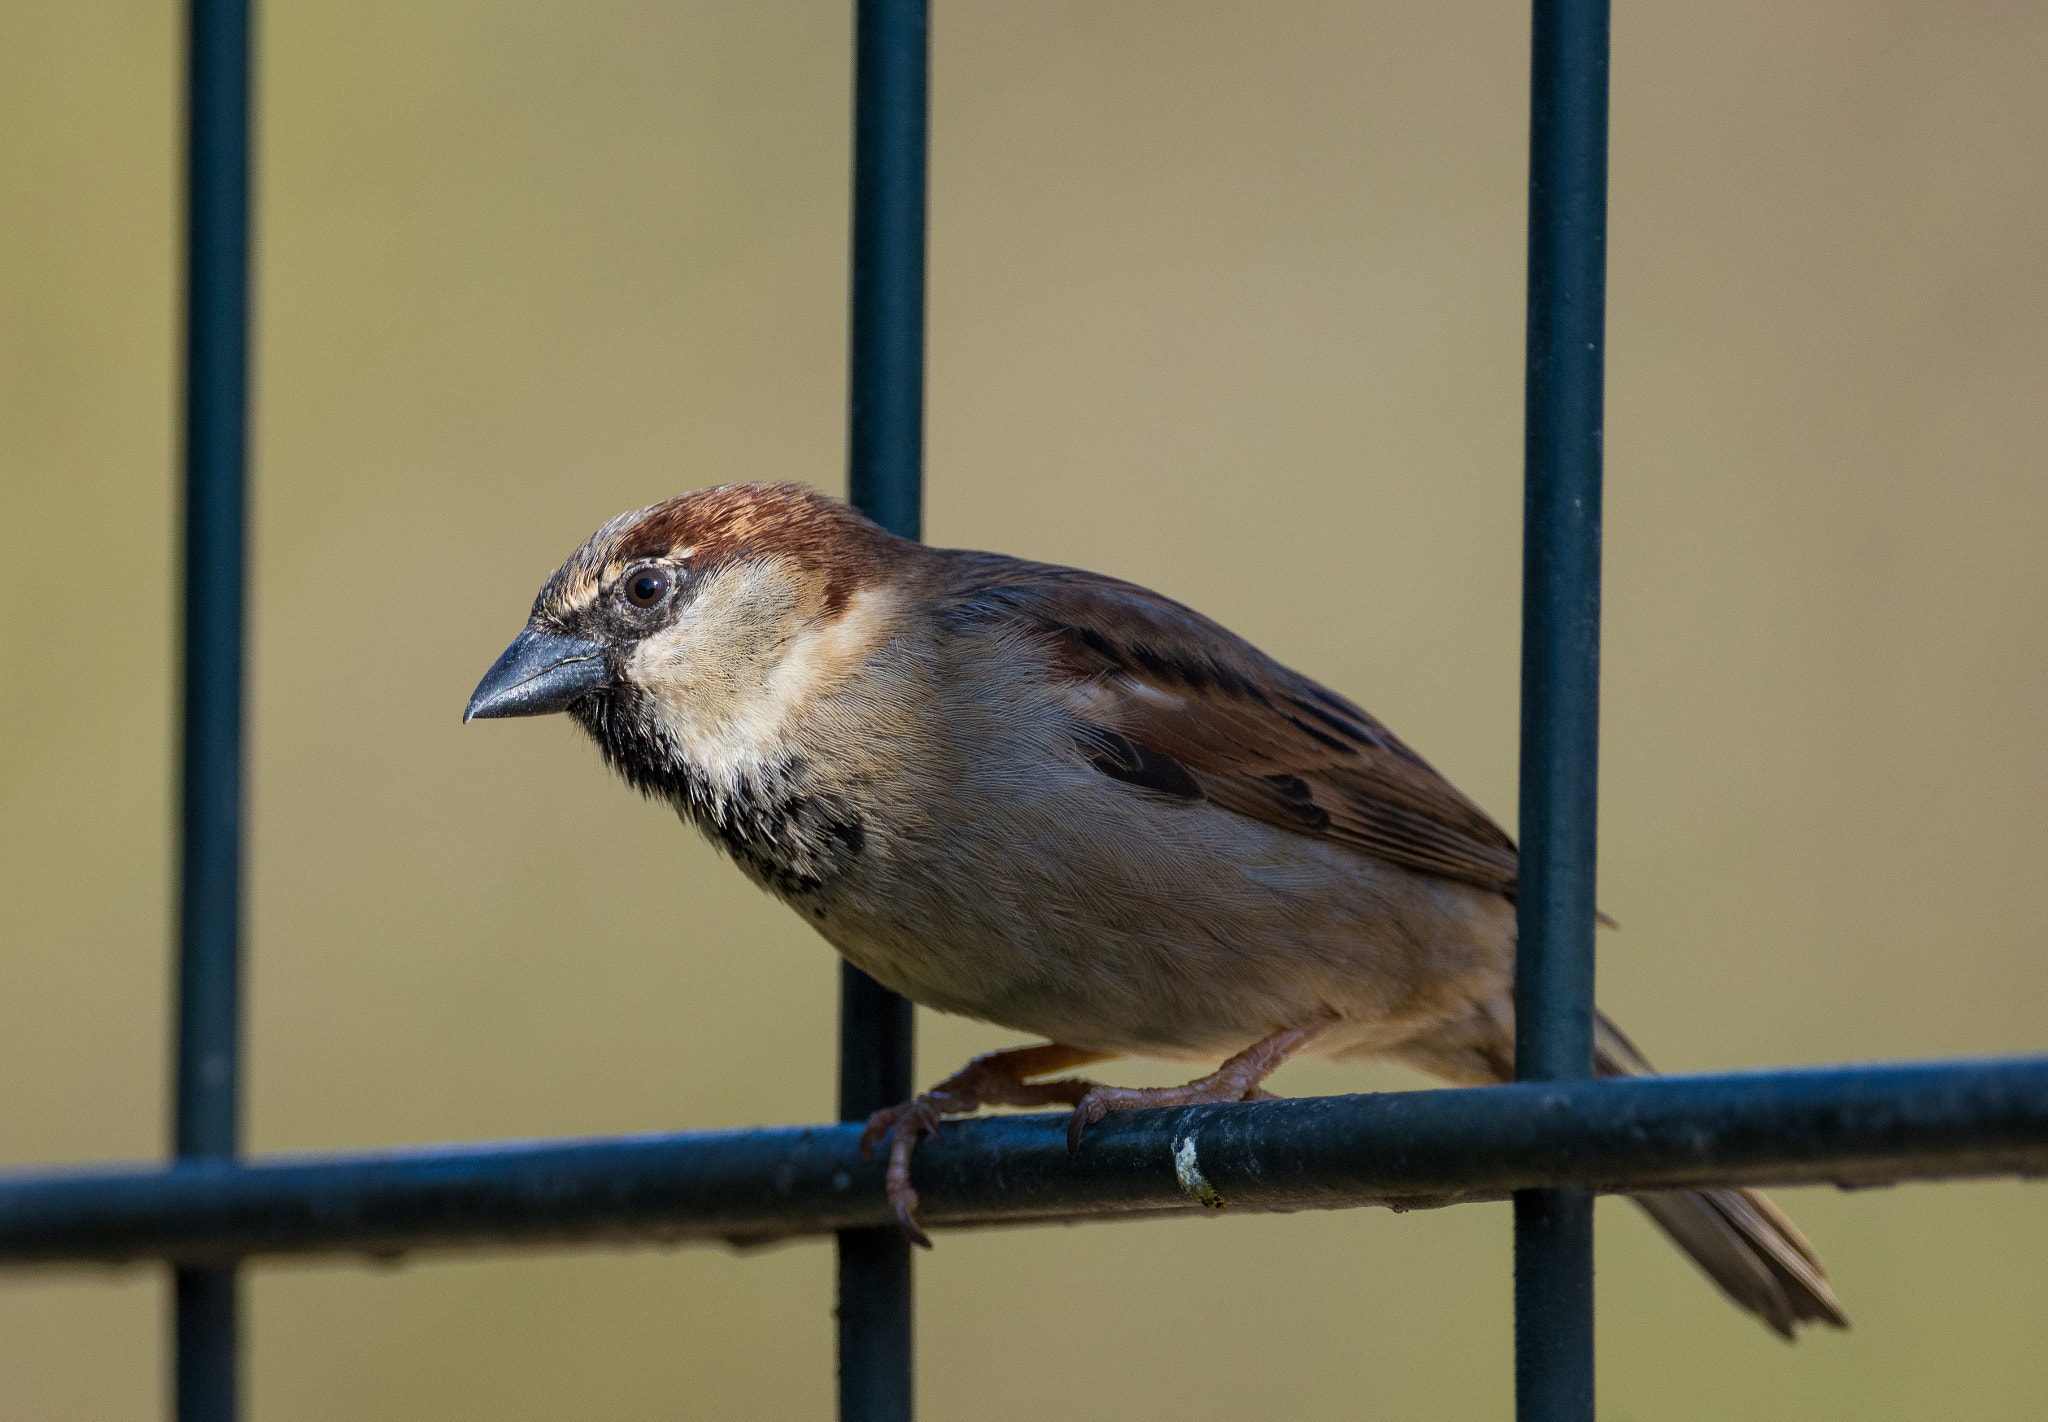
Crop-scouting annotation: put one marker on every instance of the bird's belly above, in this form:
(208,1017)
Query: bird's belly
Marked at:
(1182,932)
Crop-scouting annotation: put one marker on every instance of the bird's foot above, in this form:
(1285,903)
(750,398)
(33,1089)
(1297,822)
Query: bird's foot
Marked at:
(1236,1080)
(1207,1091)
(995,1079)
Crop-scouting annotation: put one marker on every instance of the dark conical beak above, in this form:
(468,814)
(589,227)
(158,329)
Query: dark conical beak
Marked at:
(539,673)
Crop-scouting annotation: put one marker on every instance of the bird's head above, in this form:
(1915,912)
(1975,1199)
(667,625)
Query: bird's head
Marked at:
(687,632)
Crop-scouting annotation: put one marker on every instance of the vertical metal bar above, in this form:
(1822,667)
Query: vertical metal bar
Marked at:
(210,828)
(876,1323)
(1560,677)
(885,456)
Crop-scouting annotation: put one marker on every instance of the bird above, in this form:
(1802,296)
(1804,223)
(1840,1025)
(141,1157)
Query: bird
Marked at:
(1066,805)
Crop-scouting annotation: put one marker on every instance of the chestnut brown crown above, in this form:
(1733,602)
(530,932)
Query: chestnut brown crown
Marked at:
(712,529)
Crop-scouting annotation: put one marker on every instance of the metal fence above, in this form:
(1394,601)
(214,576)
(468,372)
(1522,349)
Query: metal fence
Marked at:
(1552,1141)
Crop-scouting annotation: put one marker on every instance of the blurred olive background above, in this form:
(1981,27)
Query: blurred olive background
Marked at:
(1225,298)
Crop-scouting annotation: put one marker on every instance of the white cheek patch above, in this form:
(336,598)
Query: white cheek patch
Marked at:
(722,625)
(727,676)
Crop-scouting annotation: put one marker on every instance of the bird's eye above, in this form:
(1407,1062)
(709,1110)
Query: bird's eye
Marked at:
(647,586)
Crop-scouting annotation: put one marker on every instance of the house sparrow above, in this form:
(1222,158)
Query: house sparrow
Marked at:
(1064,804)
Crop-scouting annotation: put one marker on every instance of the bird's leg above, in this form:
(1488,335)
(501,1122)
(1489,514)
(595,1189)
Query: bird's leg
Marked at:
(993,1079)
(1236,1080)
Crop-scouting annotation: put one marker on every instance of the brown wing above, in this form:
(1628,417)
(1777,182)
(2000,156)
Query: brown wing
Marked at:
(1170,700)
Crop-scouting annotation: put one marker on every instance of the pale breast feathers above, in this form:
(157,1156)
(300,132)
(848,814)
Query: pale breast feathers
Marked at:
(1176,703)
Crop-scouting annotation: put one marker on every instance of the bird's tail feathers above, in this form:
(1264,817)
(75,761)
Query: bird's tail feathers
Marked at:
(1737,1237)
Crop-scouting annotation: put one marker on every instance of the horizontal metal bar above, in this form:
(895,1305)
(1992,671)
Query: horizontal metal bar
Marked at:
(1848,1125)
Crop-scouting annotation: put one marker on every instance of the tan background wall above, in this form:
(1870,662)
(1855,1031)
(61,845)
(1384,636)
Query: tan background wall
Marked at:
(1225,298)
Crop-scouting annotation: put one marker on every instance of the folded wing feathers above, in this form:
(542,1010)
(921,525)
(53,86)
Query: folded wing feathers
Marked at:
(1257,738)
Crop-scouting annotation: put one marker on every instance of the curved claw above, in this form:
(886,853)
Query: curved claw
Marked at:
(907,1222)
(1087,1111)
